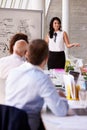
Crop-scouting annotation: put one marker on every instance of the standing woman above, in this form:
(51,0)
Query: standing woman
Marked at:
(56,38)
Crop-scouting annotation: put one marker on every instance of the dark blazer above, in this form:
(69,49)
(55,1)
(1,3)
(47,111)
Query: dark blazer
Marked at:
(12,118)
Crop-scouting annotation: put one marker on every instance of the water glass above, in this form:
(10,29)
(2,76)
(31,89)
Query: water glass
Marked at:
(83,97)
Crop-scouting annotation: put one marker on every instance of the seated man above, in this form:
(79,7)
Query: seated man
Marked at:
(28,87)
(9,62)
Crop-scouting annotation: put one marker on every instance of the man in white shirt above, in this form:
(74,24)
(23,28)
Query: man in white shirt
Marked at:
(28,87)
(9,62)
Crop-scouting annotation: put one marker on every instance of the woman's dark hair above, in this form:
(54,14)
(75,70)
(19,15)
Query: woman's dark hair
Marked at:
(38,51)
(16,37)
(51,29)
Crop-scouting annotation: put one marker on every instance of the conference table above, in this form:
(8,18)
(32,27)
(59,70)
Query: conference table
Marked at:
(75,120)
(77,115)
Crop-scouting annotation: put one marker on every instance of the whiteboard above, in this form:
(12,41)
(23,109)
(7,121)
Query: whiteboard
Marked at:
(18,20)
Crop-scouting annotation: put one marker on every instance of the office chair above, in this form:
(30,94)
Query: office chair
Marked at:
(12,118)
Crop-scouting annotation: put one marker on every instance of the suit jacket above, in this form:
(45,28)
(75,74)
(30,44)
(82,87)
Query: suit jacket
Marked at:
(12,118)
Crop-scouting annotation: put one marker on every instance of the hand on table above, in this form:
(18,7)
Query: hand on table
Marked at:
(61,93)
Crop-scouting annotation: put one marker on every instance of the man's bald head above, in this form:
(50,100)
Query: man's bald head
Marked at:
(20,47)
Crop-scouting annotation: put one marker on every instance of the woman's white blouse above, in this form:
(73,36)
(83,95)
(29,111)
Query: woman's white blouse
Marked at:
(59,44)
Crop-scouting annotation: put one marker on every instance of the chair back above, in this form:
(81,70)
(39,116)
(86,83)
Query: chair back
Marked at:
(12,118)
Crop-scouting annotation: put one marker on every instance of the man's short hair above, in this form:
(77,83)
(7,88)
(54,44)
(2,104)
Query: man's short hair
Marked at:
(20,47)
(38,51)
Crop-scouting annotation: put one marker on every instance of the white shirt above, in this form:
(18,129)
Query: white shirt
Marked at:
(27,87)
(9,62)
(6,64)
(59,44)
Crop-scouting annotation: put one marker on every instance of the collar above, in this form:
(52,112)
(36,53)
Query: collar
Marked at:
(29,65)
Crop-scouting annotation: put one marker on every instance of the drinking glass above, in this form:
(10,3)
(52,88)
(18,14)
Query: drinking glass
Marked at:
(83,97)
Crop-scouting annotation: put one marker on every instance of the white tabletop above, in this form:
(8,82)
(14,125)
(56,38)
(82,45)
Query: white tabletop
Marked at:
(71,122)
